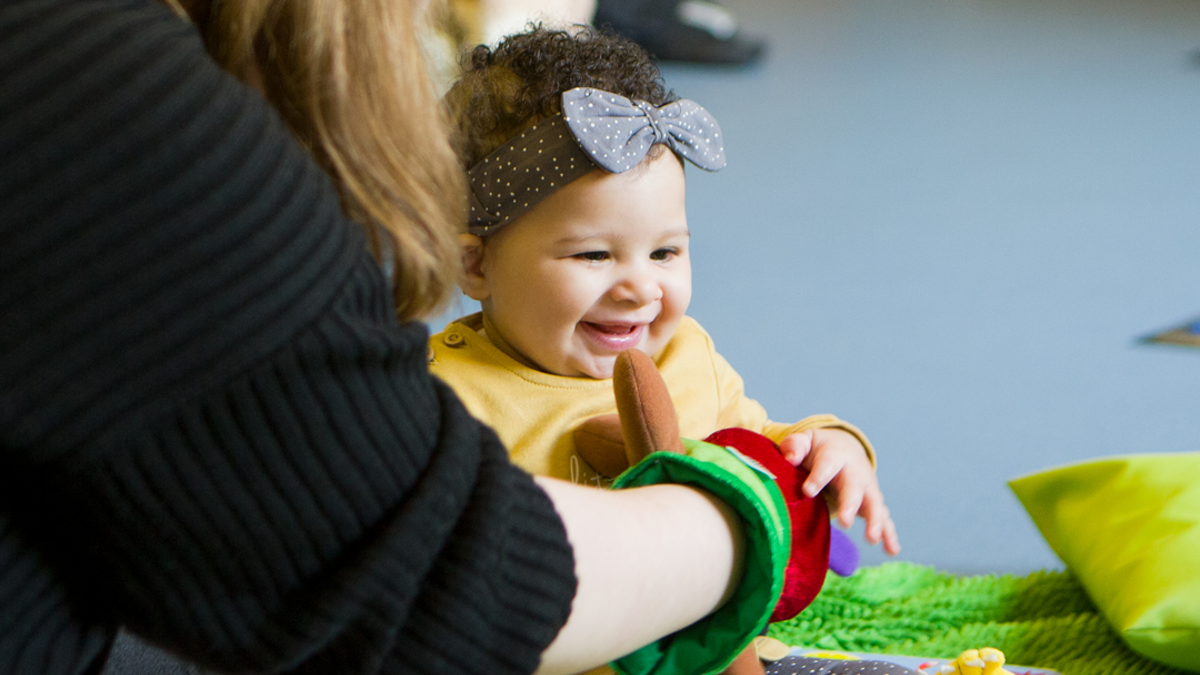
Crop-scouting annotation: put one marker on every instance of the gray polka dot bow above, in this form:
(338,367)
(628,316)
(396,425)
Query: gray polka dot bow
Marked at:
(616,132)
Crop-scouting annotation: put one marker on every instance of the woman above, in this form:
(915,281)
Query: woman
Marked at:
(214,432)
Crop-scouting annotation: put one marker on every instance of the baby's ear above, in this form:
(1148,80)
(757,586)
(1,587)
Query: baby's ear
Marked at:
(473,282)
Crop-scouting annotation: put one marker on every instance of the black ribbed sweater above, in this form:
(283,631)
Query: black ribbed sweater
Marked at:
(213,430)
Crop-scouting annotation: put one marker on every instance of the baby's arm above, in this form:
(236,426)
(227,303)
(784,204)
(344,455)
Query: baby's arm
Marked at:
(838,460)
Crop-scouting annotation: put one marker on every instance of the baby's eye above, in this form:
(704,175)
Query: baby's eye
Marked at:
(663,254)
(593,256)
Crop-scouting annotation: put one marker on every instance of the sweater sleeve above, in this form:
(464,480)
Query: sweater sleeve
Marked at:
(213,431)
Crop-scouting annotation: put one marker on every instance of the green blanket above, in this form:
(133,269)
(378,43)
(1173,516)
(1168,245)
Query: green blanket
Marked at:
(1043,620)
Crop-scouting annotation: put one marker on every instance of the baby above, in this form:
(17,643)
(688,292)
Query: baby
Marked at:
(578,250)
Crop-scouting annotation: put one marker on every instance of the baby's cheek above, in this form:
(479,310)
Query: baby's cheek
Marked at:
(677,297)
(660,333)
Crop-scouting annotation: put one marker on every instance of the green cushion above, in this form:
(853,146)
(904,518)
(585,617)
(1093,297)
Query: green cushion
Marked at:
(1129,528)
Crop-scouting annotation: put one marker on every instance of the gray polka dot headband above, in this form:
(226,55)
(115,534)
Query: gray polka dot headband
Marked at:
(597,129)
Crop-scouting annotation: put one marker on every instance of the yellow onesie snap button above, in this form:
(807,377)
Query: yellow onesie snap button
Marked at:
(453,340)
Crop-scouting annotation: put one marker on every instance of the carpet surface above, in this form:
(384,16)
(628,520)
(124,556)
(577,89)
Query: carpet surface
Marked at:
(1044,620)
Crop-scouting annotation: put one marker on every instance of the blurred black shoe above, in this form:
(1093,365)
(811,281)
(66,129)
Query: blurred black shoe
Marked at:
(694,31)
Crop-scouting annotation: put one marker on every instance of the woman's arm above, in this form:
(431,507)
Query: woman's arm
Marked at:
(649,561)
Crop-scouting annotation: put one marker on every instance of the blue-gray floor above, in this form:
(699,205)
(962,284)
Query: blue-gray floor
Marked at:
(948,221)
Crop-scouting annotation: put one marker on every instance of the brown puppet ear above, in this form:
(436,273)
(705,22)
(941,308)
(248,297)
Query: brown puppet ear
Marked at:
(645,422)
(648,420)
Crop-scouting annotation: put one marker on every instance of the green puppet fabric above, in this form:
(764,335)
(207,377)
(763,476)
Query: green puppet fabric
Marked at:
(709,645)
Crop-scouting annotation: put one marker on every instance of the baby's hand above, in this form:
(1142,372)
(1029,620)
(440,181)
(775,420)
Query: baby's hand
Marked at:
(835,458)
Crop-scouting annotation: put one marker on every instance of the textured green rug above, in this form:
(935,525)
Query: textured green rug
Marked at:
(1043,620)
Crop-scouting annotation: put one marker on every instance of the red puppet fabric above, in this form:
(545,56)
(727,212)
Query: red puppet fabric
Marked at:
(809,515)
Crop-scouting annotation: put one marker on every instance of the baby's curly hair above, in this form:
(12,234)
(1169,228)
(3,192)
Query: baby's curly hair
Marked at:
(504,90)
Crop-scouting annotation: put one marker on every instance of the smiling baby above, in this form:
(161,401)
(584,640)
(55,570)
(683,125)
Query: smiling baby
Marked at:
(578,249)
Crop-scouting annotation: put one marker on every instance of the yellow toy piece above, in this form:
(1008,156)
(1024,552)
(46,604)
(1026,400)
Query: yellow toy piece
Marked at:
(986,661)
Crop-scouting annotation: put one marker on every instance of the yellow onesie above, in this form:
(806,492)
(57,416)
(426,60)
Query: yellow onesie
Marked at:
(534,412)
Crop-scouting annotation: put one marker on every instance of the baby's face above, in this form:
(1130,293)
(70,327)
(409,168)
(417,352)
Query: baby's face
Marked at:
(596,268)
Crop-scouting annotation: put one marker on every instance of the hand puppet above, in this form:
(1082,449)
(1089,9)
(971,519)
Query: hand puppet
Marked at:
(646,423)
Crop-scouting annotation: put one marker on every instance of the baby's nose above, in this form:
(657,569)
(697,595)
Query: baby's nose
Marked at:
(642,289)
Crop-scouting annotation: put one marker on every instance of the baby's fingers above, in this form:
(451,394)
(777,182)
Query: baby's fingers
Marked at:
(819,476)
(891,541)
(879,525)
(849,501)
(796,447)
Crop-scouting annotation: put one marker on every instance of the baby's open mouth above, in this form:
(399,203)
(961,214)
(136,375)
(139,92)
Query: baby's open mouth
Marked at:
(614,337)
(613,328)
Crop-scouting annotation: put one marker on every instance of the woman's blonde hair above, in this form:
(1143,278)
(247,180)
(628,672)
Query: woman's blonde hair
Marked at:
(350,79)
